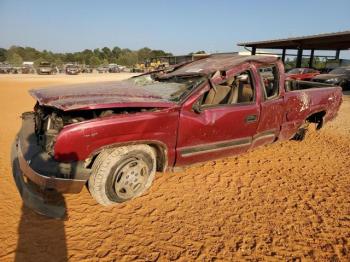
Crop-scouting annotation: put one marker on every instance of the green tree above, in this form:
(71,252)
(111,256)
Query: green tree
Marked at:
(125,56)
(143,54)
(30,54)
(98,53)
(87,54)
(107,53)
(197,53)
(69,58)
(127,59)
(94,61)
(14,59)
(319,63)
(105,62)
(38,61)
(158,53)
(47,56)
(58,62)
(116,52)
(3,54)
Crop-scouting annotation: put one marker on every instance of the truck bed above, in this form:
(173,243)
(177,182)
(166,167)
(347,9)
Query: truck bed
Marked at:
(306,99)
(292,85)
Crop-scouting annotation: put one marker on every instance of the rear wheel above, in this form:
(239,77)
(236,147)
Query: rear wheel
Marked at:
(122,173)
(300,134)
(344,85)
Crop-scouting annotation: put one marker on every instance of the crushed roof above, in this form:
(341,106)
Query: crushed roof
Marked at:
(220,62)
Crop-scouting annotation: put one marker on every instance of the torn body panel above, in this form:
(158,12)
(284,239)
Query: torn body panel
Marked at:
(301,104)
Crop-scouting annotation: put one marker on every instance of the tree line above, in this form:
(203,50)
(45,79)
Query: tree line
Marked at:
(15,55)
(318,63)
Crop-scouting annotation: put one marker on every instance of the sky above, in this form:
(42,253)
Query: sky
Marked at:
(180,26)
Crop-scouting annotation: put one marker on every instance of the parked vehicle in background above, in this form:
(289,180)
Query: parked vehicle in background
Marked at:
(102,69)
(113,68)
(27,69)
(5,68)
(15,70)
(86,69)
(72,69)
(150,65)
(113,137)
(339,76)
(138,68)
(335,63)
(46,68)
(122,68)
(305,74)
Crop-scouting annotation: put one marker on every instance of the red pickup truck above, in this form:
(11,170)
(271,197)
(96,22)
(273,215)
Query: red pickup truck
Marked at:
(114,136)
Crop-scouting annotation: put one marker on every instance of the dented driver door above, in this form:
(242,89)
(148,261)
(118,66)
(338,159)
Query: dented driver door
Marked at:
(272,105)
(215,131)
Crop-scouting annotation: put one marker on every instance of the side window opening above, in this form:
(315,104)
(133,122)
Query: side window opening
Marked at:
(237,89)
(269,80)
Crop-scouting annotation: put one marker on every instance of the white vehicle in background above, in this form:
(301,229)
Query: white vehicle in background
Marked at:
(28,68)
(102,69)
(46,68)
(115,68)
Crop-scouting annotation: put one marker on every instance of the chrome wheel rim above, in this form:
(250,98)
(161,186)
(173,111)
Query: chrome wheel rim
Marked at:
(130,178)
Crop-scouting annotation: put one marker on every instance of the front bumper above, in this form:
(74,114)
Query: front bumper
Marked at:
(35,172)
(46,181)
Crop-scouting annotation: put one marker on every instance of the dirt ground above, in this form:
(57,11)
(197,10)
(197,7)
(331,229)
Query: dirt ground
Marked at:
(283,202)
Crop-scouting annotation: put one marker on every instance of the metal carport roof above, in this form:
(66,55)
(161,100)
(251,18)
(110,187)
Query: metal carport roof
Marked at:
(330,41)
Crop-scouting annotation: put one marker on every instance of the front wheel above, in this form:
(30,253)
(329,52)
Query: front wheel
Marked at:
(122,173)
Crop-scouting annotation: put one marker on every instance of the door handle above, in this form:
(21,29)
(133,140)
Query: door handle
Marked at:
(251,119)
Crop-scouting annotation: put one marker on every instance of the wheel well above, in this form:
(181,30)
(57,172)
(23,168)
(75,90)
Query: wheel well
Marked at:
(161,154)
(317,118)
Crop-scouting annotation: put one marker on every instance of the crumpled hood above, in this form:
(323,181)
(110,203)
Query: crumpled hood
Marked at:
(102,95)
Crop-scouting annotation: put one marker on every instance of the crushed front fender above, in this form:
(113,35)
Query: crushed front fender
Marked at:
(31,197)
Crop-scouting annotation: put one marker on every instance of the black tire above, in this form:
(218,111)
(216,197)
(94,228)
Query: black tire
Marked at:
(301,133)
(344,85)
(122,173)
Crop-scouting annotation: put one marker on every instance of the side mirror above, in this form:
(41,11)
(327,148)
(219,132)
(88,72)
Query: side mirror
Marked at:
(196,108)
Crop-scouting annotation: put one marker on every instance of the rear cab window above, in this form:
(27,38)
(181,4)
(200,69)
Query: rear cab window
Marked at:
(269,77)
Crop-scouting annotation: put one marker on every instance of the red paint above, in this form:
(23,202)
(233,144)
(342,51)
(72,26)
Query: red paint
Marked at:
(179,128)
(305,74)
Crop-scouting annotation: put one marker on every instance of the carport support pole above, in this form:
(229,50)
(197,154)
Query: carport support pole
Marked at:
(337,54)
(311,61)
(283,55)
(299,57)
(253,50)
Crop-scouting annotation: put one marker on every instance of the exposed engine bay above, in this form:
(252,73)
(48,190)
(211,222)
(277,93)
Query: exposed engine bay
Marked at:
(50,121)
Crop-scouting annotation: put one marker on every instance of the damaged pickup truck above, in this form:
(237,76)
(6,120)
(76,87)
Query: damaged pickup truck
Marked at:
(114,136)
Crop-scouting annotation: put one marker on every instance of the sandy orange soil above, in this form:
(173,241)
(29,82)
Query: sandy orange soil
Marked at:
(283,202)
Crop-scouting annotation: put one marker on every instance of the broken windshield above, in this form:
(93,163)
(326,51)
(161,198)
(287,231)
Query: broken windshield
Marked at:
(172,89)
